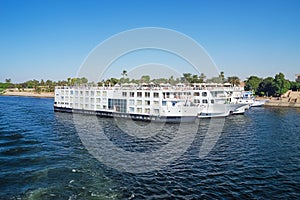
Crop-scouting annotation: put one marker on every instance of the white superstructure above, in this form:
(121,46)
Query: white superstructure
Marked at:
(146,102)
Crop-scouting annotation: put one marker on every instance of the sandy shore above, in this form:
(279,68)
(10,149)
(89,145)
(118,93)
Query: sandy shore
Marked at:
(30,94)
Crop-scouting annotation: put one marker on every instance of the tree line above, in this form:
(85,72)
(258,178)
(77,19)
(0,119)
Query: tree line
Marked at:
(260,86)
(185,78)
(41,86)
(271,86)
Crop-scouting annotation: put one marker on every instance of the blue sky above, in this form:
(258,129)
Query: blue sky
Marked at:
(49,39)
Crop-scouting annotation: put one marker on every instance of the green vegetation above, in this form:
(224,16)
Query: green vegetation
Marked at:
(252,83)
(270,86)
(260,86)
(40,86)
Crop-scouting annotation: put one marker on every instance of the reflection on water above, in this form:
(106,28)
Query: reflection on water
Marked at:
(43,157)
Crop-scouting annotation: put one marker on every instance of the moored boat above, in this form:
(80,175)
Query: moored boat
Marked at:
(146,102)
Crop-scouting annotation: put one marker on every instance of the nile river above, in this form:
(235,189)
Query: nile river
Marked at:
(257,156)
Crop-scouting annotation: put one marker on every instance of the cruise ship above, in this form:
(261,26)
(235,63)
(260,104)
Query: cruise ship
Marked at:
(163,102)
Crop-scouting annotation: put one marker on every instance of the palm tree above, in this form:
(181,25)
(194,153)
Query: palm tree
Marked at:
(202,78)
(222,77)
(234,80)
(188,77)
(124,73)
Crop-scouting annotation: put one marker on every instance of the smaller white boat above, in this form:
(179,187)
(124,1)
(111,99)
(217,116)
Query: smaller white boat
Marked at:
(259,103)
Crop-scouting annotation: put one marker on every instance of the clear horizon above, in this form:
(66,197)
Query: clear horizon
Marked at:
(50,39)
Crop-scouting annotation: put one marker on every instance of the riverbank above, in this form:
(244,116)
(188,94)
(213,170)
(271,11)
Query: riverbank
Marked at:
(29,94)
(281,103)
(289,99)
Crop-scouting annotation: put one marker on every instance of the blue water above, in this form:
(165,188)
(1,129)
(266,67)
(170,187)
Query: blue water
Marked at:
(257,156)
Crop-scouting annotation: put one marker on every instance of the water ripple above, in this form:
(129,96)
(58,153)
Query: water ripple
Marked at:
(42,157)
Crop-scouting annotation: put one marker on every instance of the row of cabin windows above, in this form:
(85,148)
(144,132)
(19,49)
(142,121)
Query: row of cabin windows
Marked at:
(139,94)
(131,94)
(81,105)
(146,110)
(179,94)
(139,102)
(98,100)
(87,93)
(205,101)
(197,94)
(104,93)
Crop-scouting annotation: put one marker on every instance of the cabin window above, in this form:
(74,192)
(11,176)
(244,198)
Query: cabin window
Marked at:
(86,93)
(204,101)
(156,103)
(155,94)
(139,110)
(92,93)
(147,103)
(204,94)
(81,93)
(156,111)
(196,94)
(131,109)
(196,101)
(164,103)
(212,101)
(147,94)
(139,102)
(131,102)
(71,92)
(98,93)
(98,100)
(139,94)
(76,93)
(147,110)
(124,94)
(131,94)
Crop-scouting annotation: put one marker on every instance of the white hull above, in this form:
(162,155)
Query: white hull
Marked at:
(218,110)
(241,110)
(259,103)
